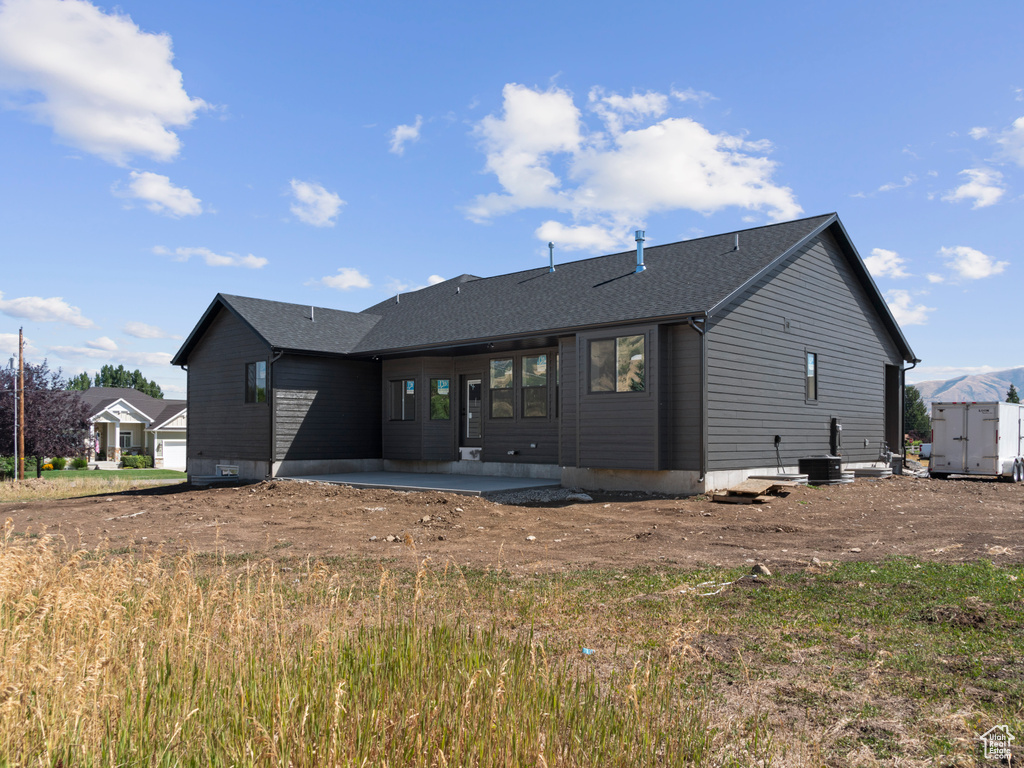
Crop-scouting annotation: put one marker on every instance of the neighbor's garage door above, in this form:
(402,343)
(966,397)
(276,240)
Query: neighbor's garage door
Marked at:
(174,454)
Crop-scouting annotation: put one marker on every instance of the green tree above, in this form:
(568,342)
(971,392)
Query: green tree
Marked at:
(915,414)
(81,382)
(1011,395)
(109,376)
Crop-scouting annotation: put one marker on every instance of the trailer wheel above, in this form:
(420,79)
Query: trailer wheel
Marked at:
(1018,471)
(939,476)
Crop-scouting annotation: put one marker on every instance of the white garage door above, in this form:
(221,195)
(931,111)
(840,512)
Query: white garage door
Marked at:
(174,454)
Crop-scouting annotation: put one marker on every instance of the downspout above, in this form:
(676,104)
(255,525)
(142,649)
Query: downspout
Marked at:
(700,329)
(271,402)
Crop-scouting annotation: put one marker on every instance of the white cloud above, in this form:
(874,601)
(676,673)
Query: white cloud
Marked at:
(984,187)
(907,181)
(701,97)
(1009,141)
(904,310)
(434,280)
(933,278)
(103,343)
(40,310)
(616,111)
(346,279)
(593,237)
(93,351)
(971,264)
(213,259)
(103,84)
(403,134)
(314,204)
(9,347)
(161,196)
(144,331)
(609,182)
(883,263)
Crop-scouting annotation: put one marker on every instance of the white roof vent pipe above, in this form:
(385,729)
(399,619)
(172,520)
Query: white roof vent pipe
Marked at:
(551,257)
(640,251)
(736,244)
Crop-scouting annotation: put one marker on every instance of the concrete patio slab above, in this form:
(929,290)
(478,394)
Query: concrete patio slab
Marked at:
(471,485)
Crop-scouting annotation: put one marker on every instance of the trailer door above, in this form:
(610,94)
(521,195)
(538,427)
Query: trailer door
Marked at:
(948,423)
(982,440)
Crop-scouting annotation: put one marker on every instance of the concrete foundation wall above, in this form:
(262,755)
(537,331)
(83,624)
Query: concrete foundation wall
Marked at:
(681,482)
(247,470)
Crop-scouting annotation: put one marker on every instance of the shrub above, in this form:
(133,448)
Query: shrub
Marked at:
(47,467)
(79,462)
(59,462)
(137,462)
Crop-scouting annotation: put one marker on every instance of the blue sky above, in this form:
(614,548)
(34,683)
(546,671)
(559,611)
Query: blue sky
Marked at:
(153,154)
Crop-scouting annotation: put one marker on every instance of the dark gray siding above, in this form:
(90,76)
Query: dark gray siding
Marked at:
(756,366)
(620,430)
(423,439)
(568,406)
(532,441)
(326,408)
(222,426)
(683,409)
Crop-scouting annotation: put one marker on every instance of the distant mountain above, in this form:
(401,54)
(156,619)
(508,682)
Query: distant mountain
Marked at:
(978,388)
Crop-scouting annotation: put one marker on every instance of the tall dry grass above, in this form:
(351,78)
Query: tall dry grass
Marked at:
(68,485)
(155,661)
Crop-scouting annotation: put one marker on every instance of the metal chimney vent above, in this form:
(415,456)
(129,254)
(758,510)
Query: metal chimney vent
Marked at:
(640,251)
(551,257)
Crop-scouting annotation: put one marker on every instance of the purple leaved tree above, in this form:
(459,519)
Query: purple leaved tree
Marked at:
(56,420)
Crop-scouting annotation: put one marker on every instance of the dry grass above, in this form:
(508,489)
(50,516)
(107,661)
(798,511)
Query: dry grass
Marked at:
(116,661)
(69,485)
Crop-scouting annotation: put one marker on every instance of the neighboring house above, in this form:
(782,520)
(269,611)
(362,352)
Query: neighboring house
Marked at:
(125,420)
(724,357)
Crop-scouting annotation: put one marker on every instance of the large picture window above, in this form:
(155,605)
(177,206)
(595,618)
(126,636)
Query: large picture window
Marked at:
(812,376)
(403,400)
(256,382)
(617,365)
(501,389)
(535,386)
(440,399)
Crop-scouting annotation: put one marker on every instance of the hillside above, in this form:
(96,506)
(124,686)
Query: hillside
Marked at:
(980,387)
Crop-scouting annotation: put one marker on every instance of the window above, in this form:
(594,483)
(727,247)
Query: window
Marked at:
(126,440)
(403,400)
(502,394)
(535,386)
(617,365)
(440,400)
(812,376)
(256,382)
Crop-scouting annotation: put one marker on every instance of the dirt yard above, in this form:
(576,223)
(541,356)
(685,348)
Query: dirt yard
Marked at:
(951,520)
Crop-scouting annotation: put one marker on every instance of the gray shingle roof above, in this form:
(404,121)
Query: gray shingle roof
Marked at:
(682,278)
(685,278)
(99,398)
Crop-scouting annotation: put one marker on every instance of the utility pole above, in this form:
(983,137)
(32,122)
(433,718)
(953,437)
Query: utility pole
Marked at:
(21,404)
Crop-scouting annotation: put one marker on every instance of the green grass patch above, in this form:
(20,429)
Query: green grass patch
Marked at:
(131,474)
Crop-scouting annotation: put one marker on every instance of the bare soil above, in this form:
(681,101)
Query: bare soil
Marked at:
(951,520)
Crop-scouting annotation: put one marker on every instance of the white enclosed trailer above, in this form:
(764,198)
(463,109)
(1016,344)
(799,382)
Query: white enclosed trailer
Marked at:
(978,439)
